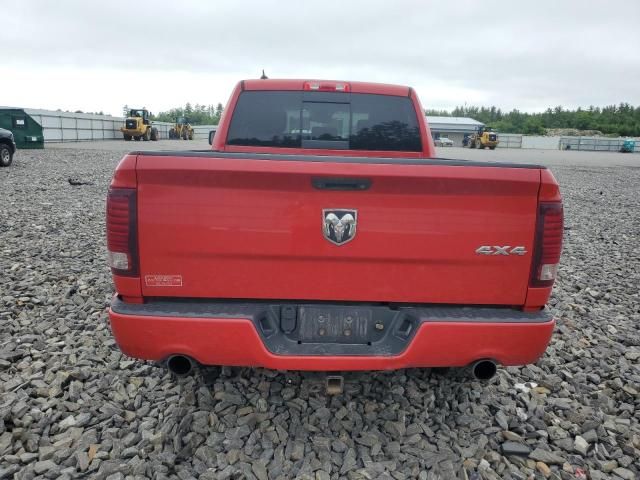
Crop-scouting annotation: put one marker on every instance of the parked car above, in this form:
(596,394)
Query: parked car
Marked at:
(322,233)
(7,147)
(443,142)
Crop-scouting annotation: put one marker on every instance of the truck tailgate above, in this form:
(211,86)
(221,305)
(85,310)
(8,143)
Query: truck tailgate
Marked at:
(216,226)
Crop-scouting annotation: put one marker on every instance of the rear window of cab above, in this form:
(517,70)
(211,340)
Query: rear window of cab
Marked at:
(321,120)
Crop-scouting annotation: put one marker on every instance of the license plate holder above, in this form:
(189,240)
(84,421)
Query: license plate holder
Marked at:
(348,325)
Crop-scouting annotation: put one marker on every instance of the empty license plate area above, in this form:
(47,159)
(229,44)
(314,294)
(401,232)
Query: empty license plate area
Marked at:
(314,329)
(351,325)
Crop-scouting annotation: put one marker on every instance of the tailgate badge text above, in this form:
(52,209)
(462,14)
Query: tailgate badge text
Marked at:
(501,250)
(163,280)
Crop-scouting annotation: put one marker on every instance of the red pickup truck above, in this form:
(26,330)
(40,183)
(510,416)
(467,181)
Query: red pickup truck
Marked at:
(320,232)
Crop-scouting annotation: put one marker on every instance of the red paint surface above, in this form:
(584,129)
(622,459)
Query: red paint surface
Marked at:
(253,229)
(236,342)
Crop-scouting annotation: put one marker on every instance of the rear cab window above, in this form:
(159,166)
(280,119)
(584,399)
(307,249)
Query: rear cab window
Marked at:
(322,120)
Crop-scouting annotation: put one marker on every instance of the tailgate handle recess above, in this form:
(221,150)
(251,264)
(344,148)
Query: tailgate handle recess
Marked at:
(341,183)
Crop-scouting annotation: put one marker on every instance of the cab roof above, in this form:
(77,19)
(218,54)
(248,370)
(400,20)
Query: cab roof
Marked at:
(298,84)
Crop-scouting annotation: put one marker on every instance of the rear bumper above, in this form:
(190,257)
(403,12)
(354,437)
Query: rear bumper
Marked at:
(234,334)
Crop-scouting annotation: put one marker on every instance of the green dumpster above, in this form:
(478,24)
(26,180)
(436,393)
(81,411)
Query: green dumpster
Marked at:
(26,131)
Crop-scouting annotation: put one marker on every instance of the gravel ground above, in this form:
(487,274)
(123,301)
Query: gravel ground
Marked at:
(72,406)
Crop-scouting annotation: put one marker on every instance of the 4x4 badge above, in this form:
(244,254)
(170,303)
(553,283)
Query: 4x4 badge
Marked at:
(339,224)
(501,250)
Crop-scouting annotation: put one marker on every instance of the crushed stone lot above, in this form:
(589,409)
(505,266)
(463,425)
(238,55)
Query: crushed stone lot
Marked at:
(72,406)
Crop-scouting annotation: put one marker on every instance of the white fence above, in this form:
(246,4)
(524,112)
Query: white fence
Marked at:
(201,132)
(84,127)
(76,127)
(509,140)
(539,142)
(598,144)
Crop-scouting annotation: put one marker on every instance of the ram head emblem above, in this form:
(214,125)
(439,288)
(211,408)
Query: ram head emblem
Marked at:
(339,225)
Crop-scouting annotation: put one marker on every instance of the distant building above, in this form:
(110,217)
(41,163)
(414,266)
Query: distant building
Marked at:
(454,128)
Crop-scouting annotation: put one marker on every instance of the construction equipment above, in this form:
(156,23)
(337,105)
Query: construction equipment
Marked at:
(138,126)
(628,146)
(484,137)
(182,129)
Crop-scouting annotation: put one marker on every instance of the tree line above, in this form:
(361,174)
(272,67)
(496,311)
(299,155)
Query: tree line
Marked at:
(196,114)
(612,120)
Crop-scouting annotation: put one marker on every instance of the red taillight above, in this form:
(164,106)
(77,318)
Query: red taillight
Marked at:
(326,86)
(122,242)
(548,245)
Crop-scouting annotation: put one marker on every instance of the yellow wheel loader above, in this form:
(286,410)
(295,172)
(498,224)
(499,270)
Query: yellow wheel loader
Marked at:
(483,138)
(182,129)
(138,126)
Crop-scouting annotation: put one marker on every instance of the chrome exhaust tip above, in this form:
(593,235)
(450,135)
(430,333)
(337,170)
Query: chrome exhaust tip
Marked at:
(180,365)
(484,369)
